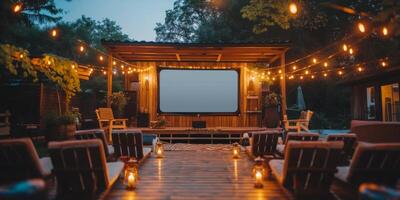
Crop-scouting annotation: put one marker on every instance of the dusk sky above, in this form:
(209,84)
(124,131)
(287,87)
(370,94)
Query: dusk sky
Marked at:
(137,18)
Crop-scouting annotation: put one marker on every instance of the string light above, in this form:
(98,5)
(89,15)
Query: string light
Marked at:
(306,72)
(294,67)
(361,27)
(293,8)
(281,77)
(73,66)
(114,63)
(385,31)
(383,64)
(291,77)
(360,69)
(122,66)
(351,51)
(104,72)
(314,60)
(114,72)
(312,76)
(340,73)
(344,47)
(301,77)
(325,74)
(21,55)
(325,64)
(81,48)
(269,73)
(280,71)
(54,33)
(49,62)
(101,58)
(17,7)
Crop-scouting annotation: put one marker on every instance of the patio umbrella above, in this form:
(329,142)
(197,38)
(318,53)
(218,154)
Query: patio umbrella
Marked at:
(300,103)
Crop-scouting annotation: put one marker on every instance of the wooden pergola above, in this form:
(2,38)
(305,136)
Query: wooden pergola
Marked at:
(270,54)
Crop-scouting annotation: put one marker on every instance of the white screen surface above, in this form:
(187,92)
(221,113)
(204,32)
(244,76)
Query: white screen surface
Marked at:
(198,91)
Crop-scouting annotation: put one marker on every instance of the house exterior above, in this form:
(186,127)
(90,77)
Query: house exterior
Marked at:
(375,95)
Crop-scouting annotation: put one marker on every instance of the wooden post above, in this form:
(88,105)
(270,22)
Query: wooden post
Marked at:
(109,80)
(283,85)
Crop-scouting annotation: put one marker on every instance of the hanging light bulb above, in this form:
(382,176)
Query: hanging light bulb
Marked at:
(21,55)
(81,48)
(279,71)
(114,63)
(325,74)
(361,27)
(49,62)
(312,76)
(73,66)
(351,52)
(294,67)
(384,63)
(281,77)
(293,8)
(101,58)
(104,72)
(360,69)
(314,60)
(269,73)
(306,72)
(345,48)
(301,77)
(340,73)
(114,72)
(17,7)
(325,64)
(385,31)
(54,33)
(122,66)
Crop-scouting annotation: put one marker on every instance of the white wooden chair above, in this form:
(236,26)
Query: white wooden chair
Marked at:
(300,124)
(4,124)
(106,120)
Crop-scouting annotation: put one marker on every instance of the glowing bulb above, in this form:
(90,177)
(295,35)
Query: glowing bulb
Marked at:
(281,77)
(301,77)
(351,51)
(104,72)
(384,64)
(385,31)
(73,66)
(293,8)
(17,7)
(344,47)
(21,55)
(101,58)
(54,33)
(253,78)
(312,76)
(269,73)
(340,73)
(280,71)
(273,78)
(306,72)
(360,69)
(294,67)
(122,66)
(361,27)
(49,62)
(114,63)
(81,48)
(314,60)
(325,64)
(325,74)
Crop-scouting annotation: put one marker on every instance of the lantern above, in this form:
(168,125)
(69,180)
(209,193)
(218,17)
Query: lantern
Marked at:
(131,174)
(236,150)
(259,172)
(159,150)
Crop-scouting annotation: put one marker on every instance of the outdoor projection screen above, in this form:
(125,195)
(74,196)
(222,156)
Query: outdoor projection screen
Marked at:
(198,91)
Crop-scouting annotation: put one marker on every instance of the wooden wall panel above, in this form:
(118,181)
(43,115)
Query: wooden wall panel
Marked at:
(148,96)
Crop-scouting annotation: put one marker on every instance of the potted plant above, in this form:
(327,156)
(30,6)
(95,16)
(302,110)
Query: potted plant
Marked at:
(160,123)
(60,127)
(271,113)
(118,103)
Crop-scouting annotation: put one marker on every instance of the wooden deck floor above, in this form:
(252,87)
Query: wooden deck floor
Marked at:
(197,175)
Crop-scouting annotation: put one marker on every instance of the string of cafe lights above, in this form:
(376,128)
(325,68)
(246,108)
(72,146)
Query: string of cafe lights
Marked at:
(293,9)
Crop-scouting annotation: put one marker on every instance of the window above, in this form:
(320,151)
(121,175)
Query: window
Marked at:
(390,102)
(371,109)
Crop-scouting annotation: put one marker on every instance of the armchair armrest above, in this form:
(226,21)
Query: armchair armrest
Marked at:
(120,120)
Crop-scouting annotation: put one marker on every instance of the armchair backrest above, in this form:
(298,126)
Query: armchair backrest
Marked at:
(310,166)
(264,143)
(19,161)
(79,166)
(349,143)
(104,114)
(375,162)
(128,143)
(93,134)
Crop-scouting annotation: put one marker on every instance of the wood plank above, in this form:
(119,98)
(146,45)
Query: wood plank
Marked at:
(197,175)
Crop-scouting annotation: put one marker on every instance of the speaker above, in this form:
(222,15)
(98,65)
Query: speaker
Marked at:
(199,124)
